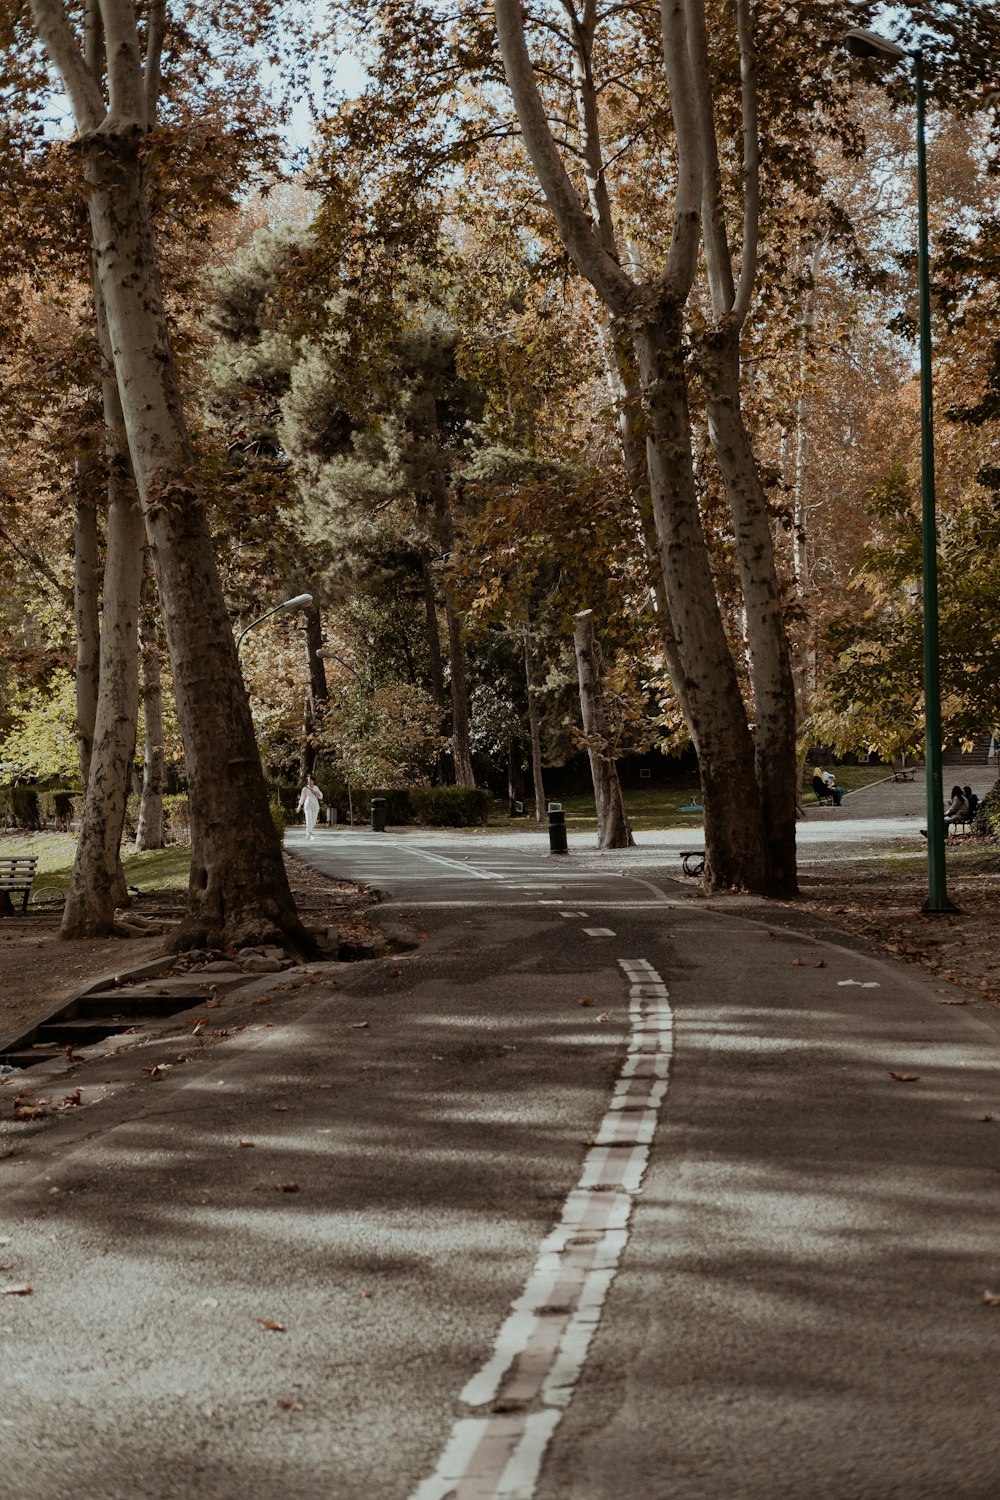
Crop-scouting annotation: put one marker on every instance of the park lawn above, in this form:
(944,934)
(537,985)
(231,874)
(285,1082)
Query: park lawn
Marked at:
(652,809)
(152,870)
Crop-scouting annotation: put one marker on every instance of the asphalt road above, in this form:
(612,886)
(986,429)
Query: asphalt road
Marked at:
(781,1294)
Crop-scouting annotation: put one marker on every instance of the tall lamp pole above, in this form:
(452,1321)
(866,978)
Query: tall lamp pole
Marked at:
(299,602)
(870,44)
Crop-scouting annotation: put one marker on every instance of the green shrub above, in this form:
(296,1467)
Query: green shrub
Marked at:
(398,807)
(279,817)
(176,818)
(19,807)
(987,818)
(59,805)
(286,796)
(450,806)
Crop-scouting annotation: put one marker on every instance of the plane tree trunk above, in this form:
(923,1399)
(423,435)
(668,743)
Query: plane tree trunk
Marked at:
(86,613)
(97,884)
(534,726)
(771,673)
(238,890)
(613,831)
(646,318)
(149,828)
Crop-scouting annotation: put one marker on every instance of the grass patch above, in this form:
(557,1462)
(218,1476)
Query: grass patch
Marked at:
(152,870)
(647,810)
(652,809)
(159,869)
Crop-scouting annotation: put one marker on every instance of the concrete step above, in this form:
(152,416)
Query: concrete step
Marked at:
(134,1003)
(80,1033)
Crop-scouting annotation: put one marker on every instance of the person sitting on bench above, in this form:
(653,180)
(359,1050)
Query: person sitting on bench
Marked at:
(957,811)
(825,786)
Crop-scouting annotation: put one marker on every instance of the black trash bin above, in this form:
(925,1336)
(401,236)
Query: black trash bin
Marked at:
(557,831)
(378,815)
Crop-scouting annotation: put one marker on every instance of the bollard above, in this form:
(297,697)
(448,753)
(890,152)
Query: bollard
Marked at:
(557,831)
(378,815)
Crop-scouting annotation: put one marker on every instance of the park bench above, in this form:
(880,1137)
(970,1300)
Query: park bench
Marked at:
(822,793)
(17,871)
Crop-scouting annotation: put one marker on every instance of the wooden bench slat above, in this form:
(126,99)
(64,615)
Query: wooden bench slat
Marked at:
(17,874)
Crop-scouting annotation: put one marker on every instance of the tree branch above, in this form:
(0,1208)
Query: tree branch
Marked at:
(751,159)
(682,259)
(717,257)
(590,256)
(127,98)
(93,38)
(156,34)
(589,127)
(56,35)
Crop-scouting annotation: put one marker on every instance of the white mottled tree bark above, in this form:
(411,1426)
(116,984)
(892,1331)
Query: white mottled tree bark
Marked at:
(613,831)
(238,890)
(534,726)
(86,615)
(149,830)
(742,785)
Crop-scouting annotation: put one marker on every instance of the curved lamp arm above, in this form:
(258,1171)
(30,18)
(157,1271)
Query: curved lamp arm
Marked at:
(299,602)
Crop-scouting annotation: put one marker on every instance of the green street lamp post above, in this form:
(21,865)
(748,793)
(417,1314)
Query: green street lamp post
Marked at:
(301,601)
(870,44)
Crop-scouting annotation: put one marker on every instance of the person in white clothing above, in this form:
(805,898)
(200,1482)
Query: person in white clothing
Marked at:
(310,798)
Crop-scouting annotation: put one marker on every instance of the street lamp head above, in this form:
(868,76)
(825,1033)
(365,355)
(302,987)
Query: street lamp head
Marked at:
(299,602)
(869,44)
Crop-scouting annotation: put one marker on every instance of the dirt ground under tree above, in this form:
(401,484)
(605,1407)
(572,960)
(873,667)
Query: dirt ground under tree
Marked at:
(38,970)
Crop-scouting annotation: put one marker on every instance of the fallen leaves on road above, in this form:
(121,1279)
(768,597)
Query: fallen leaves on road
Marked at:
(272,1325)
(71,1100)
(283,1106)
(24,1290)
(246,1143)
(287,1187)
(992,1299)
(289,1405)
(905,1077)
(160,1071)
(359,1025)
(585,1000)
(604,1016)
(27,1107)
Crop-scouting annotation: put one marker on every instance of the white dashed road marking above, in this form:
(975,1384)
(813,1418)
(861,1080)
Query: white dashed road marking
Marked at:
(541,1348)
(598,932)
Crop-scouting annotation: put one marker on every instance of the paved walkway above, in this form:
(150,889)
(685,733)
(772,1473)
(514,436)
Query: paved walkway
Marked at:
(884,814)
(409,1234)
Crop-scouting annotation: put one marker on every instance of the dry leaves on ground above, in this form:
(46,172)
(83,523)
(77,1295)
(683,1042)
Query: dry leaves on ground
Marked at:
(883,905)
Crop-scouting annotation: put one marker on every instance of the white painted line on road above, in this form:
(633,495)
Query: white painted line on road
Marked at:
(598,932)
(540,1350)
(454,864)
